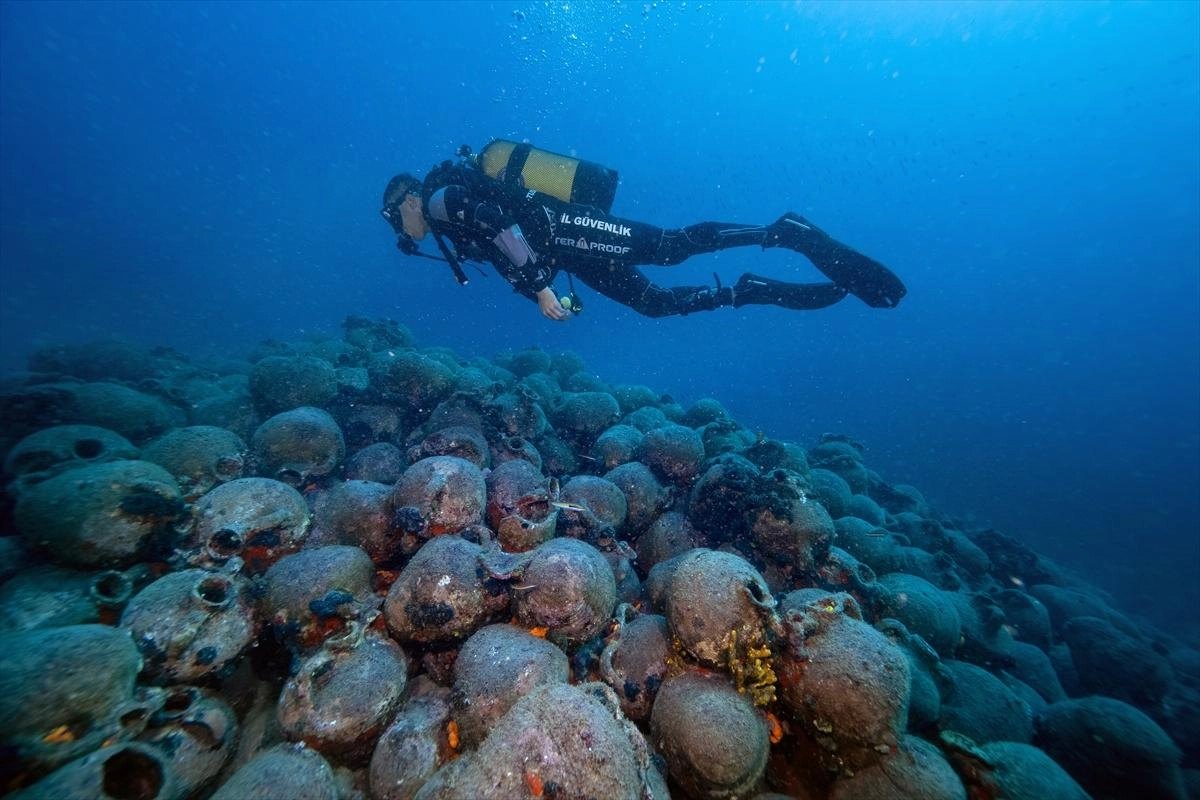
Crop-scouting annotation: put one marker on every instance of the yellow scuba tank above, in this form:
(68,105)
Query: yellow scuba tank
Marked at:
(571,180)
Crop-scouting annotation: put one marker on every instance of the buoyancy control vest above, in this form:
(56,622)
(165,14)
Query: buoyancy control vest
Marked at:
(502,173)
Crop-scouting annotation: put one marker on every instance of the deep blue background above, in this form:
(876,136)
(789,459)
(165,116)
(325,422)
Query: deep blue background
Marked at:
(205,175)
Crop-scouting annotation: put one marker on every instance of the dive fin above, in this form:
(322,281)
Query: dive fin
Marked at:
(754,289)
(861,275)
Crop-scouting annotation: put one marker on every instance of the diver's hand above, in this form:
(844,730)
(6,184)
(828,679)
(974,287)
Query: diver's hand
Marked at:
(551,309)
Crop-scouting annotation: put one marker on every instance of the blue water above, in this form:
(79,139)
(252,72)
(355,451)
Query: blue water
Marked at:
(206,175)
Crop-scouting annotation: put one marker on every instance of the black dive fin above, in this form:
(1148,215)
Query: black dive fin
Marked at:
(861,275)
(754,289)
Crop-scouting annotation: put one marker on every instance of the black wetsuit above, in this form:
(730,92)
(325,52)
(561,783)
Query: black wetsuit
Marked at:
(472,210)
(601,250)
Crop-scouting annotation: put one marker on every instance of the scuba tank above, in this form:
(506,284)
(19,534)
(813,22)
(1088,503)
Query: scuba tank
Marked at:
(571,180)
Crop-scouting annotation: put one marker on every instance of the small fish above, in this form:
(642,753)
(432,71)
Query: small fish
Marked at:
(567,506)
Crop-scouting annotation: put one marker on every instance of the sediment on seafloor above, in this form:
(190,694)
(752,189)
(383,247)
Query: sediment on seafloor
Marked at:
(359,568)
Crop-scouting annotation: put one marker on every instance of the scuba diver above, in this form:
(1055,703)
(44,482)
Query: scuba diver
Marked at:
(533,214)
